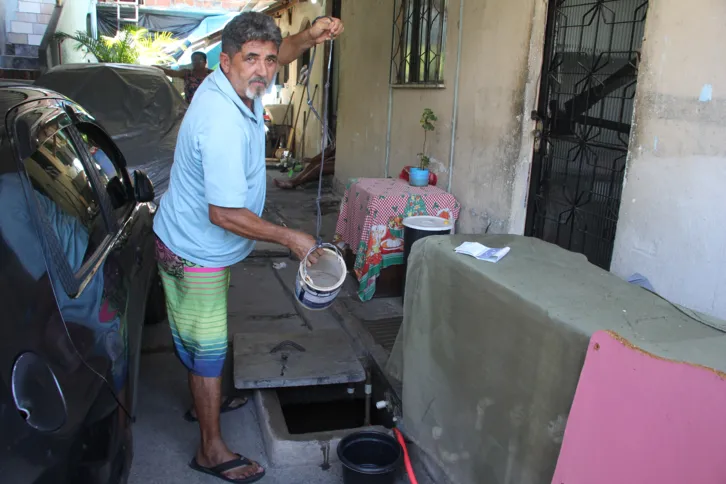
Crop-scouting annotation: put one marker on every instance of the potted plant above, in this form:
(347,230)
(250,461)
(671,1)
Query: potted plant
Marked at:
(419,177)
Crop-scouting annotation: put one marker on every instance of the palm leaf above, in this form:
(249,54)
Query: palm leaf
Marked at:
(132,45)
(154,49)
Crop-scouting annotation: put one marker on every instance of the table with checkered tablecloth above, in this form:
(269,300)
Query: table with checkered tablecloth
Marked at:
(371,222)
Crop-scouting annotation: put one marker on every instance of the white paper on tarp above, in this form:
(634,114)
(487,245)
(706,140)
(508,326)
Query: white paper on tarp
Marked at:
(482,252)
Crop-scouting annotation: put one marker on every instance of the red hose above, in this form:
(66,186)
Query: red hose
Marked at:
(406,458)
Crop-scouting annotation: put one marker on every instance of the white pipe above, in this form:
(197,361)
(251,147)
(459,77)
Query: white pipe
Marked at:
(94,19)
(456,97)
(388,131)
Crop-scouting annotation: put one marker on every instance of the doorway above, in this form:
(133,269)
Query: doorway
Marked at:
(588,83)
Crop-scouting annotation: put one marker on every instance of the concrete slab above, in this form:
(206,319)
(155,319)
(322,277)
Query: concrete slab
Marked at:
(376,309)
(315,319)
(284,325)
(157,337)
(287,274)
(268,249)
(320,357)
(255,292)
(385,331)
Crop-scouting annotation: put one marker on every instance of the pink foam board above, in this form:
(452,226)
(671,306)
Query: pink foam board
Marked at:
(640,419)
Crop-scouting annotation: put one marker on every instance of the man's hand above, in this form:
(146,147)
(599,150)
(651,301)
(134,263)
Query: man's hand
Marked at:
(326,28)
(300,244)
(293,46)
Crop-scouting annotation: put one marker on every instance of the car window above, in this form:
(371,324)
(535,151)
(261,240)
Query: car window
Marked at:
(68,205)
(111,175)
(55,228)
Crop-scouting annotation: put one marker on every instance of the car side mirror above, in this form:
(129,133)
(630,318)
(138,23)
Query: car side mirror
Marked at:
(143,187)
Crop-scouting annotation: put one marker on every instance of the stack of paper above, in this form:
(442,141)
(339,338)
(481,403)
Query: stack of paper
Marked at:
(482,252)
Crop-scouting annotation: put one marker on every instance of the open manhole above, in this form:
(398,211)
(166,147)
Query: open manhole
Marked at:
(328,408)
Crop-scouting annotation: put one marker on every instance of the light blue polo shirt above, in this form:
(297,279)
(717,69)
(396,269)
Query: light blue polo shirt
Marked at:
(219,160)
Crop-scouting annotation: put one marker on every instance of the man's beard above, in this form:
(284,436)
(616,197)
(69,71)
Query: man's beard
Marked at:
(254,92)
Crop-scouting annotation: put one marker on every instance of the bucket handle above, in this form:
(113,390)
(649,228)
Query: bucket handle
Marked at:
(304,264)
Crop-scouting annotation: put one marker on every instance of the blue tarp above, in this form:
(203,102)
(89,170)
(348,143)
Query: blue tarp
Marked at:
(208,26)
(212,52)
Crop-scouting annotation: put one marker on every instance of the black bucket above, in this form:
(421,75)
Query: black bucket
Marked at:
(416,228)
(369,457)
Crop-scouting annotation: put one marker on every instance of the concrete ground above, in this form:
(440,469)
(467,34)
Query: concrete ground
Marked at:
(164,443)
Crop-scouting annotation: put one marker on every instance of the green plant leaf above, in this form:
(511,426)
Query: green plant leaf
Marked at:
(130,46)
(427,125)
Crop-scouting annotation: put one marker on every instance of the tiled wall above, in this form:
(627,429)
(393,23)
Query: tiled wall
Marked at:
(27,24)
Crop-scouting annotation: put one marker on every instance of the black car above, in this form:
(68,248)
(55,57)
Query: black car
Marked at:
(76,269)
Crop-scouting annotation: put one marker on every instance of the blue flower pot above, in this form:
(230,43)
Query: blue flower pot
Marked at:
(418,177)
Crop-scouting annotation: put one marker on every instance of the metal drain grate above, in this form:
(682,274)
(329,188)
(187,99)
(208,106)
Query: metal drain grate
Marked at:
(384,331)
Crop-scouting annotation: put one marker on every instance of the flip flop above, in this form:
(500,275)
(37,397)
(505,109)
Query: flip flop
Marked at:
(226,407)
(217,471)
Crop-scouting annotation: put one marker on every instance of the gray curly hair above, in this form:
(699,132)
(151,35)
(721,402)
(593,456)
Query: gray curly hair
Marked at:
(247,27)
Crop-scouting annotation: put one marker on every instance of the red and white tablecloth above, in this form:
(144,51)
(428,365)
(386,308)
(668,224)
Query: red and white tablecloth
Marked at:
(371,222)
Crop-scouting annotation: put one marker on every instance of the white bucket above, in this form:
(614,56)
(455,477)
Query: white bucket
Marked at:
(316,287)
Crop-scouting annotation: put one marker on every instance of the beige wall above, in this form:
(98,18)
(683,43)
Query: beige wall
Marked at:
(364,99)
(408,105)
(499,79)
(302,14)
(671,226)
(498,82)
(72,19)
(25,21)
(6,16)
(363,95)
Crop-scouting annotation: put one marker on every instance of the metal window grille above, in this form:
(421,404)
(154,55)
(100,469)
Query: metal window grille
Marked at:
(419,38)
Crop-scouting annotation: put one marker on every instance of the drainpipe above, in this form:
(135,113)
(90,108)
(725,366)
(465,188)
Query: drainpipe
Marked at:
(94,19)
(388,130)
(386,168)
(455,114)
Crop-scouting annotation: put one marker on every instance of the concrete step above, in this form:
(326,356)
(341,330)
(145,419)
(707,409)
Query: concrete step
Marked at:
(23,50)
(19,62)
(19,74)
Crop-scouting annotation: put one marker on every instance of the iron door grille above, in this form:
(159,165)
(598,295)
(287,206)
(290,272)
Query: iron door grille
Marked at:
(592,51)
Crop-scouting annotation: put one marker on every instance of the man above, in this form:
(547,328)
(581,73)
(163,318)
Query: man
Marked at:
(193,77)
(209,218)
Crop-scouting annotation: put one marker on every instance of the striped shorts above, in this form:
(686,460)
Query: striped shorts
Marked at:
(196,305)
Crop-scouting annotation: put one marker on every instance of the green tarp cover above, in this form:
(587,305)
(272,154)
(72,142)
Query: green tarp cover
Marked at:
(490,354)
